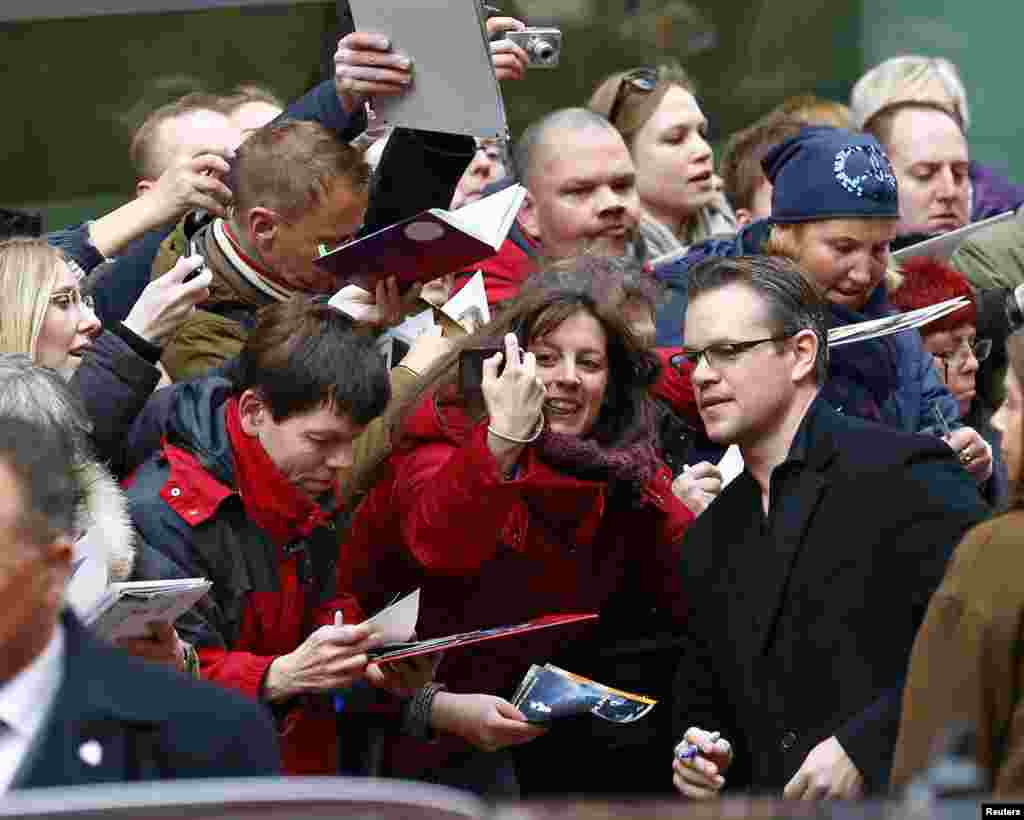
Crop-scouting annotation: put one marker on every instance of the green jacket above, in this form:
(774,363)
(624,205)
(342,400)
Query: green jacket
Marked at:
(217,330)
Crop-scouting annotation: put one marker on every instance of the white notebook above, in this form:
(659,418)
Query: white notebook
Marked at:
(127,609)
(454,89)
(944,245)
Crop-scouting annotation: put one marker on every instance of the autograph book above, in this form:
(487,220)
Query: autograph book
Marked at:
(431,244)
(127,608)
(399,651)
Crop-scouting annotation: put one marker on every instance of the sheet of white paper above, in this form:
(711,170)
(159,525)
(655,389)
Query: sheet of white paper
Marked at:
(354,301)
(731,465)
(468,308)
(944,245)
(90,579)
(490,218)
(896,323)
(413,327)
(397,623)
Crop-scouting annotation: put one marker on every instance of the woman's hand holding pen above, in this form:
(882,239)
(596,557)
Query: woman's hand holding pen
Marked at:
(700,761)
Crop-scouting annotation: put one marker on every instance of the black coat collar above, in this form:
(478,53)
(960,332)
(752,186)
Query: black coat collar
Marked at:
(101,727)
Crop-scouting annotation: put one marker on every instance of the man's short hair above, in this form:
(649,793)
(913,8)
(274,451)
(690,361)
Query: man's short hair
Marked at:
(524,153)
(302,355)
(910,79)
(792,304)
(880,125)
(144,149)
(248,93)
(41,396)
(810,109)
(40,457)
(740,166)
(290,166)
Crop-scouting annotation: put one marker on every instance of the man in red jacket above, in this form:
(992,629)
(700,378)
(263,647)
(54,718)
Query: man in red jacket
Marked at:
(580,196)
(242,492)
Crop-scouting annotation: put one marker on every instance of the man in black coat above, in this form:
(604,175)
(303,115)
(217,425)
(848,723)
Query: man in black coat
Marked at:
(73,711)
(809,575)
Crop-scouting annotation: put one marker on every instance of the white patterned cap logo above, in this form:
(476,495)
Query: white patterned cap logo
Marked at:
(865,171)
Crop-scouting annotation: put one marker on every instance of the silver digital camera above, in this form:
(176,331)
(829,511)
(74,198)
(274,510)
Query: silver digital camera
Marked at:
(542,45)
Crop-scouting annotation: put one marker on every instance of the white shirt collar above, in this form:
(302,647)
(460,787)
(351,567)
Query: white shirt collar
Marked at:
(25,700)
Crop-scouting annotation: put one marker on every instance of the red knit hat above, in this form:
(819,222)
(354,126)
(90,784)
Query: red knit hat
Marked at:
(928,281)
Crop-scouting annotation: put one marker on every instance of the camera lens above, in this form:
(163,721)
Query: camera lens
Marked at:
(544,50)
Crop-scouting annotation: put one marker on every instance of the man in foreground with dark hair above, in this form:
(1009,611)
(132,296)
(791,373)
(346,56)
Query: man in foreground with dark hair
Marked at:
(73,711)
(810,573)
(242,492)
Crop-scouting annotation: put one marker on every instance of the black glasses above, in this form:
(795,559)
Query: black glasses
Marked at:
(643,79)
(723,354)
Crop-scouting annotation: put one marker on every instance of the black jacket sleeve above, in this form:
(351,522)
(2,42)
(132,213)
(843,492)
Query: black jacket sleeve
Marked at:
(321,104)
(114,383)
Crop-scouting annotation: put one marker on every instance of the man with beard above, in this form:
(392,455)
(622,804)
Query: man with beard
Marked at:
(580,197)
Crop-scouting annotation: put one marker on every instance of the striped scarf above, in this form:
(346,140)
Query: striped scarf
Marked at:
(259,277)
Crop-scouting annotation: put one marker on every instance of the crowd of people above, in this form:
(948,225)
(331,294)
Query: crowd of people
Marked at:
(175,388)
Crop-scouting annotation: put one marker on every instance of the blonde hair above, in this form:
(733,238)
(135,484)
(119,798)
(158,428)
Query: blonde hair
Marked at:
(29,269)
(910,80)
(632,107)
(785,240)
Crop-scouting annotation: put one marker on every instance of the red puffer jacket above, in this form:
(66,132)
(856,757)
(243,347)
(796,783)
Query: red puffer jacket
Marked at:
(488,552)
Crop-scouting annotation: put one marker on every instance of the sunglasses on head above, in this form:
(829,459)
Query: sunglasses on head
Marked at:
(643,79)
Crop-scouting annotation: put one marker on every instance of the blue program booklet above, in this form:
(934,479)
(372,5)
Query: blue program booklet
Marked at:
(548,693)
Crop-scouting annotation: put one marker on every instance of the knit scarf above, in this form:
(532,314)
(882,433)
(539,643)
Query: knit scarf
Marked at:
(282,511)
(259,277)
(626,467)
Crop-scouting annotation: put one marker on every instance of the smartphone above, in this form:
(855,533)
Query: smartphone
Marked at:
(193,250)
(471,367)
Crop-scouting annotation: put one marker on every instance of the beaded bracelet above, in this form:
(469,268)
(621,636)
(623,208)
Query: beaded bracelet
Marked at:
(536,433)
(418,723)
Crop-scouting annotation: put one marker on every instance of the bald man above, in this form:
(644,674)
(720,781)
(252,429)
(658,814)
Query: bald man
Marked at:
(581,196)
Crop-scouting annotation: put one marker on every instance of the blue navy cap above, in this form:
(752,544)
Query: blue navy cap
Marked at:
(830,173)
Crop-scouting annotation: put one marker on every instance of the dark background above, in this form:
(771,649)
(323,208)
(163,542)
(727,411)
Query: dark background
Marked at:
(75,88)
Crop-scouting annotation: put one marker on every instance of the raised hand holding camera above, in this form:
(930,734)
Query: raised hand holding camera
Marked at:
(514,401)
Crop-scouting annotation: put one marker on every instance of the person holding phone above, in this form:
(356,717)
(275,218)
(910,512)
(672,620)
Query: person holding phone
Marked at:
(539,492)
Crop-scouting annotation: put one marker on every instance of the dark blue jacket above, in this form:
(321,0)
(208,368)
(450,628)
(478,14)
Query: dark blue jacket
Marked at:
(150,723)
(890,380)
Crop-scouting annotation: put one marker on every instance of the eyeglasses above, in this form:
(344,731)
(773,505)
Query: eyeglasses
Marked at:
(979,348)
(73,296)
(643,79)
(722,355)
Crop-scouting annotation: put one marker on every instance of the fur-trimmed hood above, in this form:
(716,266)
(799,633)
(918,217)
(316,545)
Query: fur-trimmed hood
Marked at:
(104,517)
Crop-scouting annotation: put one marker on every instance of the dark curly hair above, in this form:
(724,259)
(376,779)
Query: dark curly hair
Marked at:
(626,417)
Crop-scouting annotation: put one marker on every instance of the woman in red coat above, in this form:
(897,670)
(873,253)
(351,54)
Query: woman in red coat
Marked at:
(539,493)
